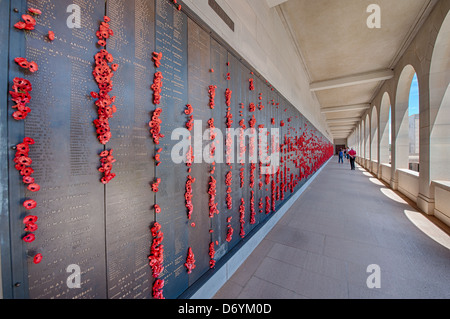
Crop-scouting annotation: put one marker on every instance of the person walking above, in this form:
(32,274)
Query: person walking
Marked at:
(341,157)
(352,156)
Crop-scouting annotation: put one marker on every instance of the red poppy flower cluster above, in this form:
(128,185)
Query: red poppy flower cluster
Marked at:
(158,157)
(252,208)
(23,163)
(261,205)
(188,196)
(252,107)
(104,32)
(51,35)
(252,86)
(107,161)
(28,22)
(212,198)
(212,136)
(273,189)
(30,228)
(242,217)
(230,230)
(228,94)
(158,289)
(157,209)
(31,66)
(242,150)
(155,185)
(157,58)
(103,74)
(155,126)
(268,210)
(252,175)
(156,251)
(212,253)
(190,261)
(157,87)
(228,183)
(190,158)
(189,110)
(212,96)
(21,96)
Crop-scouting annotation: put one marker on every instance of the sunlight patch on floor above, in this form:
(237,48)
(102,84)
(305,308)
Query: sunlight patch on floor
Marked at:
(392,195)
(428,228)
(376,181)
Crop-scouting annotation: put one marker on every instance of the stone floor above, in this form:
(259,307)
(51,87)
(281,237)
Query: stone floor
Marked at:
(345,221)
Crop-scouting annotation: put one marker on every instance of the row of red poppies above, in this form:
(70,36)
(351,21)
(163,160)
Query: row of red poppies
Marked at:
(156,257)
(20,95)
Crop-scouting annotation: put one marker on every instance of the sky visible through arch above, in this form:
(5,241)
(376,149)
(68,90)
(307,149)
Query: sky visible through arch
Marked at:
(414,97)
(413,102)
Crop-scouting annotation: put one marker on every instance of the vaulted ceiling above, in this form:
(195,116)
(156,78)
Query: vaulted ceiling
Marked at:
(346,61)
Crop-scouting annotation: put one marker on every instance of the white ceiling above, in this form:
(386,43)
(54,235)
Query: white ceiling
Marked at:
(347,61)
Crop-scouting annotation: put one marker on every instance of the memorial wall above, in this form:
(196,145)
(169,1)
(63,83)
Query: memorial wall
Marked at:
(99,205)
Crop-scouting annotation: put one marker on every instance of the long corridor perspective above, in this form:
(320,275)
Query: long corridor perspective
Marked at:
(348,236)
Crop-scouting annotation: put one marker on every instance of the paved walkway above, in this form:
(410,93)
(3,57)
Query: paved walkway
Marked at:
(345,221)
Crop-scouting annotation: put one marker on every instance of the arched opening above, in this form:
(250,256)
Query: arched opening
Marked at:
(413,113)
(367,138)
(440,105)
(385,129)
(374,135)
(401,125)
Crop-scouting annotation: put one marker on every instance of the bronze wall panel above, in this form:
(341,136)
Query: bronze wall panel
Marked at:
(171,40)
(65,157)
(129,199)
(199,78)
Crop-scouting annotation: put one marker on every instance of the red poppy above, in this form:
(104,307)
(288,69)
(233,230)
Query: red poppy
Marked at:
(19,115)
(190,261)
(20,25)
(28,180)
(51,35)
(35,11)
(28,19)
(104,153)
(30,219)
(37,259)
(34,187)
(106,19)
(28,140)
(29,238)
(30,204)
(22,148)
(27,171)
(31,228)
(157,209)
(22,62)
(26,161)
